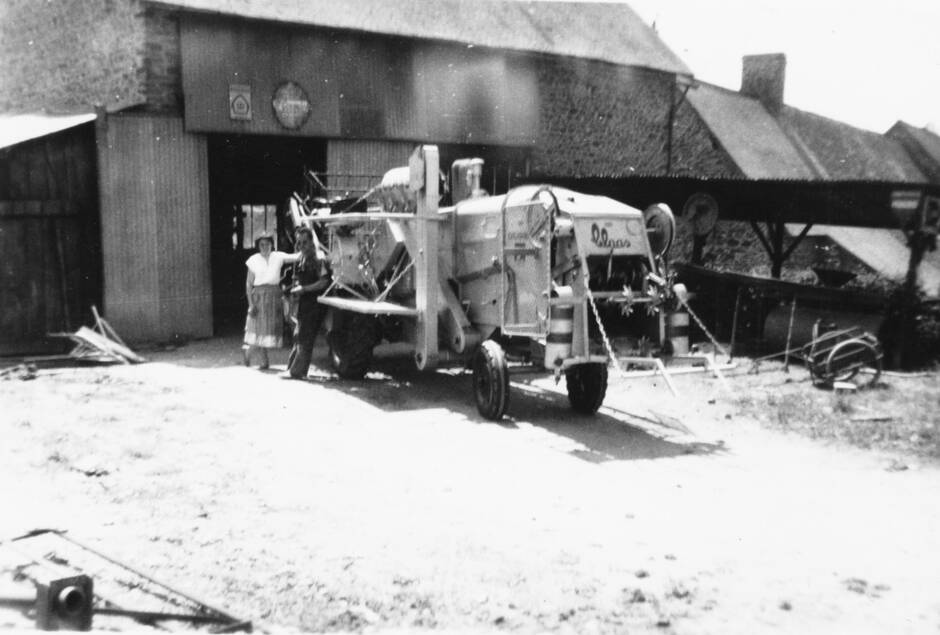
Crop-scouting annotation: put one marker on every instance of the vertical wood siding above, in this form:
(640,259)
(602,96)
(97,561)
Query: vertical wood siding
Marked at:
(367,159)
(49,251)
(155,228)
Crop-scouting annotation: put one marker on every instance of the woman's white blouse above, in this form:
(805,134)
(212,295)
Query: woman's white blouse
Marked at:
(268,271)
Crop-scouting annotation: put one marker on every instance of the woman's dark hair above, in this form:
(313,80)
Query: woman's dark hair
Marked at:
(266,236)
(306,231)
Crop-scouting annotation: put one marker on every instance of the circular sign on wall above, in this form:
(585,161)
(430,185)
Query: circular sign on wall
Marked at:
(291,106)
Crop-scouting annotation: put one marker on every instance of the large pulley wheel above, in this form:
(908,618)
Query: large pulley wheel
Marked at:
(351,342)
(491,380)
(660,228)
(587,386)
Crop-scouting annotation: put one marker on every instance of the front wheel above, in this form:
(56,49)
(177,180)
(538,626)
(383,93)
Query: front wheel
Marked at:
(587,386)
(491,380)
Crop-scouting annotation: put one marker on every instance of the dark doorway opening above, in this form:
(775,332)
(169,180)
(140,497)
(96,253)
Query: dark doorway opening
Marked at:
(250,181)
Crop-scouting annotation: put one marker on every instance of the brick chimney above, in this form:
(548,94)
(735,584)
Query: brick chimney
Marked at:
(762,77)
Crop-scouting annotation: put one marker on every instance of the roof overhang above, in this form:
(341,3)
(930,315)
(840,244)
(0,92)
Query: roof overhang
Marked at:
(18,128)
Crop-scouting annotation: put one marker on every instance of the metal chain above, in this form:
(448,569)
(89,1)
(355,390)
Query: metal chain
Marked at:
(600,327)
(711,337)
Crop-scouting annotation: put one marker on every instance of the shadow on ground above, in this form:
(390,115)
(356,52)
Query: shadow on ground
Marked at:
(610,435)
(396,386)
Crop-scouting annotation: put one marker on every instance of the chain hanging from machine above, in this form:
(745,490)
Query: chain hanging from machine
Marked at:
(600,326)
(608,347)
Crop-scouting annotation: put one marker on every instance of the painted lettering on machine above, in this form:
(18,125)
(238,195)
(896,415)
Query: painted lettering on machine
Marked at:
(603,237)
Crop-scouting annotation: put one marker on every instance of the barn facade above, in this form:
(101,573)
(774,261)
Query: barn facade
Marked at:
(209,113)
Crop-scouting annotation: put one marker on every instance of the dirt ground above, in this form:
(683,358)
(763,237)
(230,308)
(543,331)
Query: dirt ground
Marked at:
(391,505)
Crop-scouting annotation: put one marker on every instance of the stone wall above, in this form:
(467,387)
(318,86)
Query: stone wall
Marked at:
(70,55)
(598,119)
(162,62)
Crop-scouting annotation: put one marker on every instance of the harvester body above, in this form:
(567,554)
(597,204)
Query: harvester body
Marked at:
(516,281)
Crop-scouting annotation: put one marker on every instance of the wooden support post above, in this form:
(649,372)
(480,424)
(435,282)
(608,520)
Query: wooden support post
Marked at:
(776,266)
(772,242)
(734,324)
(786,359)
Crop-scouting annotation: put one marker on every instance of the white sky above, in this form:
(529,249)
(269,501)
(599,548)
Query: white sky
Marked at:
(865,63)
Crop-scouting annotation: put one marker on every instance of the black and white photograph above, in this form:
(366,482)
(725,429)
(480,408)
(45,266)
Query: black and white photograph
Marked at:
(470,316)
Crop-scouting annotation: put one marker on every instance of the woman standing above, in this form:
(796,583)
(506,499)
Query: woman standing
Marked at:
(265,323)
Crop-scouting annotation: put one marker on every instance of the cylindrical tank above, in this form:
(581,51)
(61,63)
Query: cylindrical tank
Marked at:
(777,324)
(677,331)
(560,330)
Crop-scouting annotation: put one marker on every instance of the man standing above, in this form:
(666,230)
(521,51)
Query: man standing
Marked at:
(311,278)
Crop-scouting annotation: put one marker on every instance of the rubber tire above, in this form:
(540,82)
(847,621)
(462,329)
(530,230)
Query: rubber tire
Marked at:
(351,343)
(491,380)
(587,386)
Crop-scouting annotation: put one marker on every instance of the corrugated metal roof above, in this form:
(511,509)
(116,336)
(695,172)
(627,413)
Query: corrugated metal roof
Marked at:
(839,151)
(750,135)
(610,32)
(19,128)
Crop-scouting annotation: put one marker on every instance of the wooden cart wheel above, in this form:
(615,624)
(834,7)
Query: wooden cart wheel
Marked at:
(848,358)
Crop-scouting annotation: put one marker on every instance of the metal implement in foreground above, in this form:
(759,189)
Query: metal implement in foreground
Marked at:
(839,356)
(523,281)
(76,584)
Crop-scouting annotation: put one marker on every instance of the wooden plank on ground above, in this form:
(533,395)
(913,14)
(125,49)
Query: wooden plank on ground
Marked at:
(107,346)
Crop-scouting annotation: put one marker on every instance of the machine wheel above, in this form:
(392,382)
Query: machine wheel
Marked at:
(351,342)
(491,380)
(587,385)
(849,357)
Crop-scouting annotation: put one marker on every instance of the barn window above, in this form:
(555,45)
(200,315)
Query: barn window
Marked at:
(252,220)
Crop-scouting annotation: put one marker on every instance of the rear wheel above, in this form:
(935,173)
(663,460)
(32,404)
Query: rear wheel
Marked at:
(491,380)
(351,341)
(587,386)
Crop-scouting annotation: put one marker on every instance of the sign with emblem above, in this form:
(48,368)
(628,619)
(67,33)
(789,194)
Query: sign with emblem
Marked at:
(239,102)
(291,106)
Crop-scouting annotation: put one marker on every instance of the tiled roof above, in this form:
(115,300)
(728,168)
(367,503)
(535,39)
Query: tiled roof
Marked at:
(923,145)
(838,151)
(748,133)
(797,145)
(609,32)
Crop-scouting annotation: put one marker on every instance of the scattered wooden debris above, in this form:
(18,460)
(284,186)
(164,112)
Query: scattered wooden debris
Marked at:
(101,344)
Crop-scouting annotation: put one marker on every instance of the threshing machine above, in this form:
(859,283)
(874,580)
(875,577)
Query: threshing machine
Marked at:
(521,282)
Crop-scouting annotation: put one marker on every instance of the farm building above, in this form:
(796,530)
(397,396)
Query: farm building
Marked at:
(169,134)
(198,118)
(792,175)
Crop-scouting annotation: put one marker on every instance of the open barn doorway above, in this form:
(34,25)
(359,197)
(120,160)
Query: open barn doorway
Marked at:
(250,181)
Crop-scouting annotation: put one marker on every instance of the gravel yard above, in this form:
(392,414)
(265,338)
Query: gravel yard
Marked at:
(391,505)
